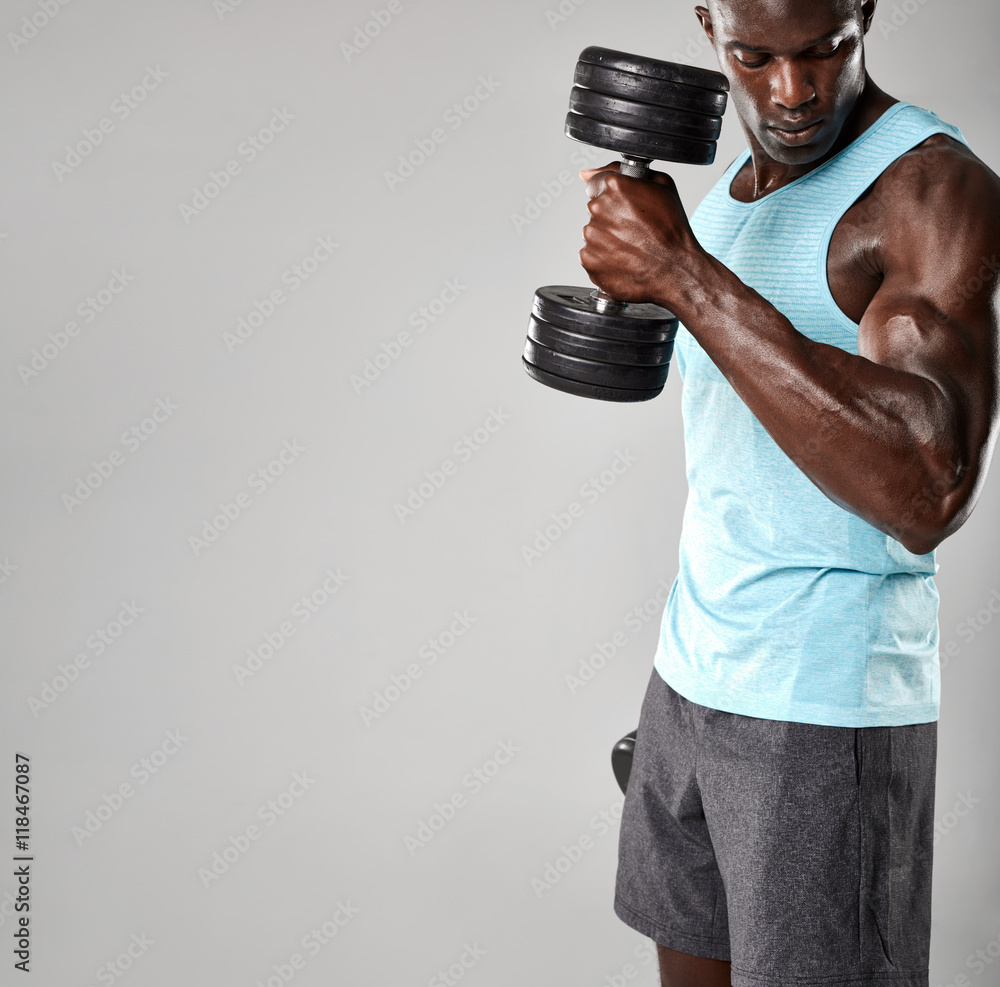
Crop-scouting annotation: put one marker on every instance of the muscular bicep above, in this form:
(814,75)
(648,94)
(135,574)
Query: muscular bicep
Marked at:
(935,314)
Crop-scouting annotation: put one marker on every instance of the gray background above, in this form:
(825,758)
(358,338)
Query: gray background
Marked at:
(70,568)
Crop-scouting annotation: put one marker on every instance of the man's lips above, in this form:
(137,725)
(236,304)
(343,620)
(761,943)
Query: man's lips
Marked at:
(797,134)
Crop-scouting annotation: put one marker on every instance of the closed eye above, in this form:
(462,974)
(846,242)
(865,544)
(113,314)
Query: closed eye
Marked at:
(825,51)
(750,64)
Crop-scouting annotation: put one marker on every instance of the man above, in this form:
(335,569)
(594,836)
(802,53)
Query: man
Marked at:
(839,353)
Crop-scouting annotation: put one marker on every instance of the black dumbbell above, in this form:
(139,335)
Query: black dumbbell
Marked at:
(621,759)
(581,340)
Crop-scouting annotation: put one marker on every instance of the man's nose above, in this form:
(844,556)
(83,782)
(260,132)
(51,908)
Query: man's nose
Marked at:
(791,85)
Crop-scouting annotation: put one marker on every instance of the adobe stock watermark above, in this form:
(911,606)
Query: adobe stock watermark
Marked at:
(430,651)
(444,812)
(131,439)
(644,954)
(112,970)
(29,27)
(312,942)
(292,278)
(271,642)
(268,813)
(420,319)
(555,16)
(978,962)
(464,449)
(570,855)
(223,8)
(901,13)
(8,908)
(971,627)
(141,771)
(97,643)
(22,934)
(950,820)
(471,954)
(454,117)
(121,107)
(259,482)
(634,620)
(984,277)
(249,149)
(7,569)
(364,34)
(695,46)
(552,189)
(87,310)
(590,491)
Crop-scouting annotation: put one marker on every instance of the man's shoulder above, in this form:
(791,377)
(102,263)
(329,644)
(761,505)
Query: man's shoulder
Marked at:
(938,175)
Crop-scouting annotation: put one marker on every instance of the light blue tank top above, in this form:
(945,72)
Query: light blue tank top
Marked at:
(786,606)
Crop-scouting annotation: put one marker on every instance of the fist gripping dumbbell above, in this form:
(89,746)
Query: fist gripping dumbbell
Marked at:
(581,340)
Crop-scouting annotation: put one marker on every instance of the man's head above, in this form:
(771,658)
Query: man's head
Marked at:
(796,68)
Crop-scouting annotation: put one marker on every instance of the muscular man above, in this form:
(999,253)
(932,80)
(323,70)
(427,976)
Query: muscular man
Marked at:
(838,346)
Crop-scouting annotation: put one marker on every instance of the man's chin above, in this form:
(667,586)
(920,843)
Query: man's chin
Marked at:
(789,152)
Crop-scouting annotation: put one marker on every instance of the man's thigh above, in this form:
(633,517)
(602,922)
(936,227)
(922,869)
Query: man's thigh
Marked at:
(800,852)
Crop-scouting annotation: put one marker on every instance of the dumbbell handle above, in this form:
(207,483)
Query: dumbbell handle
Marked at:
(635,167)
(631,167)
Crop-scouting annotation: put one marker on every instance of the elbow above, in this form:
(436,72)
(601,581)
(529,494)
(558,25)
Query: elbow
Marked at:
(923,545)
(920,531)
(918,536)
(933,499)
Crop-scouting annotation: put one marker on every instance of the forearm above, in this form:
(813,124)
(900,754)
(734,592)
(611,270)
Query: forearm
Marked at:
(878,441)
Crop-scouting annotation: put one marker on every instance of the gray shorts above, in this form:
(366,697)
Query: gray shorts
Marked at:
(800,853)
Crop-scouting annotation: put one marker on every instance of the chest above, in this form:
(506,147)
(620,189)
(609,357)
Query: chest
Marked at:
(802,247)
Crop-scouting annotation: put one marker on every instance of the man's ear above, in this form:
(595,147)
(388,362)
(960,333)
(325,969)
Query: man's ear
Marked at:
(868,13)
(706,21)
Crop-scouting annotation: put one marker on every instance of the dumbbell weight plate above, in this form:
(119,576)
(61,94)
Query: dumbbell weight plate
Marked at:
(643,116)
(575,309)
(641,143)
(584,390)
(621,759)
(602,350)
(688,75)
(593,372)
(644,89)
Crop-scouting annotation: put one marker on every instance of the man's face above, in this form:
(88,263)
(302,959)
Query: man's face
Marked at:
(795,67)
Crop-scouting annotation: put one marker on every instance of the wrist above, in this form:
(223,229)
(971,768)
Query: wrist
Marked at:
(690,287)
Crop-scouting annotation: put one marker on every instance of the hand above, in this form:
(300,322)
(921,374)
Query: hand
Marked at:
(639,243)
